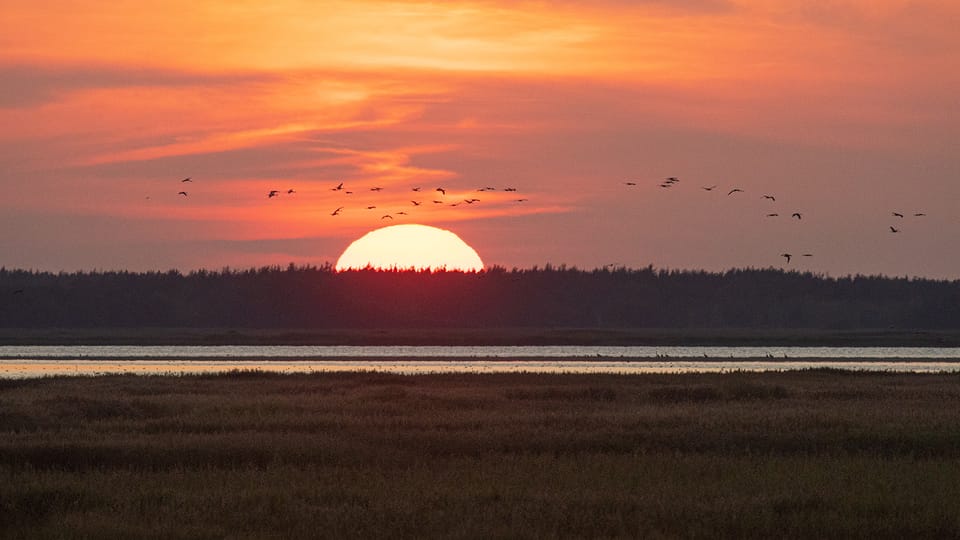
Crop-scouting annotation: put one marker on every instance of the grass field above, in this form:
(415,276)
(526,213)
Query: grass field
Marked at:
(244,455)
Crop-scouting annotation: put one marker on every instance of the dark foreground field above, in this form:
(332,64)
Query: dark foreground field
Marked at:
(801,454)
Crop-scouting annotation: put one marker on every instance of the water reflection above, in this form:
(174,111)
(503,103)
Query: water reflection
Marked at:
(40,367)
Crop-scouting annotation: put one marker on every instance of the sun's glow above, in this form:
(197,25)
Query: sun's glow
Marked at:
(411,246)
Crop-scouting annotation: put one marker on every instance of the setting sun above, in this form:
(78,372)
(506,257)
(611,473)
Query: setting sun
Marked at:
(418,247)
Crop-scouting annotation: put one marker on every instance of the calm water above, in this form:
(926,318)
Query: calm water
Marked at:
(36,361)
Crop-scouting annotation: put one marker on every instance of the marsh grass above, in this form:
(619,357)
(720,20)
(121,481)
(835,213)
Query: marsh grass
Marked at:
(248,455)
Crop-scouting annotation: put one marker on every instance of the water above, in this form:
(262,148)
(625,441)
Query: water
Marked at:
(38,361)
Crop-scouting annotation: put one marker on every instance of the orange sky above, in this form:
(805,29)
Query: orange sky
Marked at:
(845,110)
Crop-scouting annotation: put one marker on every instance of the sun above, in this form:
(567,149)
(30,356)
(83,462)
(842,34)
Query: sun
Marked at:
(404,247)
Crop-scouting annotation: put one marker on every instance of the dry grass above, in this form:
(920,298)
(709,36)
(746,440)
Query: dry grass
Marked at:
(245,455)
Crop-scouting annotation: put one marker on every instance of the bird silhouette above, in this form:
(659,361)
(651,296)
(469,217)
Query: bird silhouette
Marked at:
(371,207)
(711,188)
(471,201)
(378,188)
(184,193)
(416,203)
(401,213)
(672,179)
(771,197)
(808,254)
(416,189)
(773,215)
(666,185)
(187,179)
(734,190)
(797,215)
(437,202)
(291,191)
(894,229)
(509,189)
(786,256)
(336,212)
(921,214)
(630,183)
(898,214)
(388,216)
(521,200)
(338,188)
(273,193)
(441,190)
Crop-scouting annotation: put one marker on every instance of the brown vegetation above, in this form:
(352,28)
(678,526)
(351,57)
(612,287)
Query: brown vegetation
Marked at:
(802,454)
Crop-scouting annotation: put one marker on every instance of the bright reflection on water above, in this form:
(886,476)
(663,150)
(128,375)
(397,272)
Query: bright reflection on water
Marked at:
(22,362)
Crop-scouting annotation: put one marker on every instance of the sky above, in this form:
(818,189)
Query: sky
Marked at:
(845,111)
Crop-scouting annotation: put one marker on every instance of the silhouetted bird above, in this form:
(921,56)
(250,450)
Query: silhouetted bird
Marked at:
(401,213)
(771,197)
(630,183)
(337,211)
(437,202)
(442,191)
(672,179)
(471,201)
(187,179)
(772,215)
(416,203)
(338,188)
(786,256)
(734,190)
(184,193)
(371,207)
(291,191)
(509,189)
(808,254)
(898,214)
(378,188)
(416,189)
(919,215)
(273,193)
(666,185)
(797,215)
(521,200)
(387,216)
(894,229)
(711,188)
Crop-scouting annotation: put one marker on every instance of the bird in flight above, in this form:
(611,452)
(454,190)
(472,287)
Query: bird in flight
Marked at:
(711,188)
(521,200)
(416,203)
(338,188)
(471,201)
(437,202)
(291,191)
(371,207)
(666,185)
(786,256)
(378,188)
(921,214)
(734,190)
(442,191)
(273,193)
(898,214)
(337,211)
(672,179)
(416,189)
(184,193)
(388,216)
(401,213)
(772,215)
(808,254)
(771,197)
(509,189)
(630,183)
(894,229)
(797,215)
(187,179)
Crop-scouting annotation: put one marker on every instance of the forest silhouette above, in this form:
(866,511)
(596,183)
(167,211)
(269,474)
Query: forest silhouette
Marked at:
(321,298)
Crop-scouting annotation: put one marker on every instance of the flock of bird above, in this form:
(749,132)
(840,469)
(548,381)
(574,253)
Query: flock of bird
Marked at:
(340,188)
(671,181)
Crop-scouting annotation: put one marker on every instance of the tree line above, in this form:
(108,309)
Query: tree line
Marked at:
(321,298)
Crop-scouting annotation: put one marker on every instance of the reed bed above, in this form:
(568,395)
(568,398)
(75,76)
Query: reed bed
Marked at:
(818,453)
